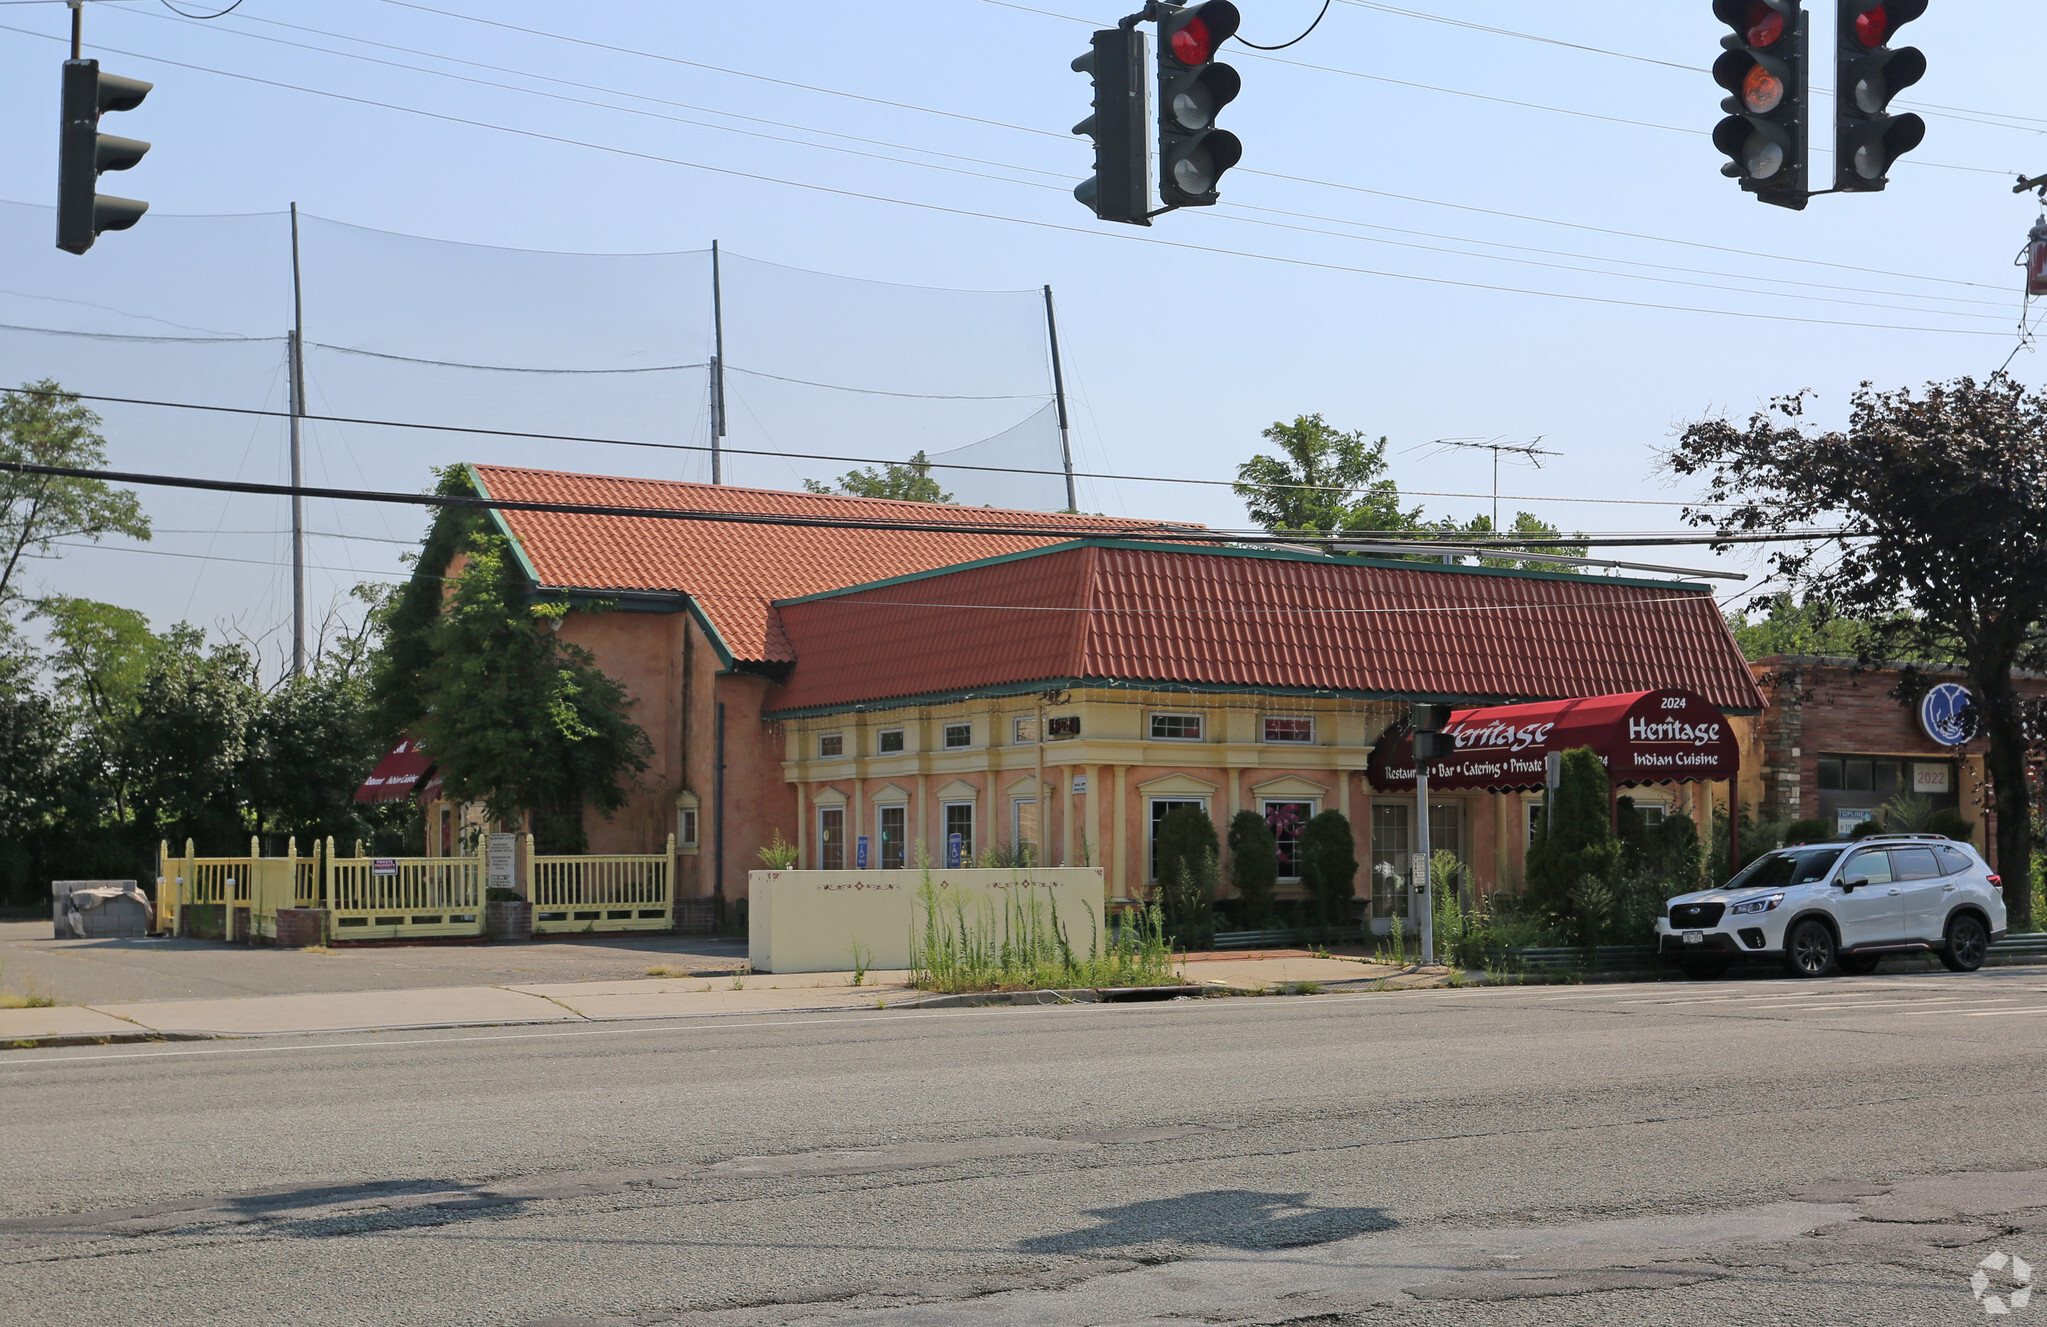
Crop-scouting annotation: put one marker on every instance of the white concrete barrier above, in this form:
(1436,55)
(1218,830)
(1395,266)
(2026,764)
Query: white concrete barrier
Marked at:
(809,921)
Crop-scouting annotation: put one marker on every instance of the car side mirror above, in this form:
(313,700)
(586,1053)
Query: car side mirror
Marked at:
(1850,886)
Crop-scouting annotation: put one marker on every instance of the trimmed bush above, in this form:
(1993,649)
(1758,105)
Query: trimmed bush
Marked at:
(1809,830)
(1186,838)
(1254,868)
(1329,867)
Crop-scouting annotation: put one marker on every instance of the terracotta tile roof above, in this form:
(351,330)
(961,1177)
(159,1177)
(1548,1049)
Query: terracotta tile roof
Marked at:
(1115,611)
(734,571)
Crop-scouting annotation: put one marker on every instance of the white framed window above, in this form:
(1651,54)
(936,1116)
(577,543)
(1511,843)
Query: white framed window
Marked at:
(1024,729)
(831,744)
(889,741)
(1176,727)
(1534,813)
(1290,729)
(1286,818)
(1161,807)
(958,735)
(1023,824)
(831,838)
(1652,814)
(892,828)
(686,827)
(959,819)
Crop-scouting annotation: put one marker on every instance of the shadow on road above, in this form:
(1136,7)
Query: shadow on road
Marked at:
(1221,1218)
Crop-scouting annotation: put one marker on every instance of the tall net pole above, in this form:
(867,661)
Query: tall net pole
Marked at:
(717,371)
(297,347)
(1059,394)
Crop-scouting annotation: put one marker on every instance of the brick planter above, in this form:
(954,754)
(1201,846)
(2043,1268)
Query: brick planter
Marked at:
(696,916)
(508,921)
(301,928)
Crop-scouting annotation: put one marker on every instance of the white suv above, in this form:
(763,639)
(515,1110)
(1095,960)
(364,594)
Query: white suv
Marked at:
(1822,907)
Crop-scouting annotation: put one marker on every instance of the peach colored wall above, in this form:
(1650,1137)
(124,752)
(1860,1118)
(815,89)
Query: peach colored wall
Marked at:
(670,670)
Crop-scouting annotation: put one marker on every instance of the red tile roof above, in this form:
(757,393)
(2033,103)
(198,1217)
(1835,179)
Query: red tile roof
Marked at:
(1265,621)
(734,571)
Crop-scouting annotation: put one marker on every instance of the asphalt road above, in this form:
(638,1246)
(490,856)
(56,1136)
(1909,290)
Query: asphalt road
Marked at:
(1757,1152)
(112,971)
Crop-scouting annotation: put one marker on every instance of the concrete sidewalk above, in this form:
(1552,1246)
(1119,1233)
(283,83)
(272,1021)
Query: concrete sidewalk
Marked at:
(599,1001)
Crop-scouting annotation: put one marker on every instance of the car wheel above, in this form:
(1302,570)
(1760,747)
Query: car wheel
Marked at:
(1705,969)
(1967,945)
(1858,965)
(1809,950)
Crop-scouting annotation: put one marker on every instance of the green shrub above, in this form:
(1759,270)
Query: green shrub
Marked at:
(1576,841)
(1185,837)
(1950,823)
(1023,944)
(1810,830)
(1254,868)
(1329,867)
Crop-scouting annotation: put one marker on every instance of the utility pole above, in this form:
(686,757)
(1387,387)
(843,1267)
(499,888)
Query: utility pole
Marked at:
(1059,395)
(717,372)
(297,347)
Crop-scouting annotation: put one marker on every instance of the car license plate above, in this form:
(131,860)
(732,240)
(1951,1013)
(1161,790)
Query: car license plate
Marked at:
(1695,937)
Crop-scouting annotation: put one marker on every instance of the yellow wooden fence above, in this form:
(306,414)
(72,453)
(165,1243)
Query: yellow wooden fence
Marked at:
(391,898)
(616,892)
(248,890)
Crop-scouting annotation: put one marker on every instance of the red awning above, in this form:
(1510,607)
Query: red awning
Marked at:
(1643,736)
(396,775)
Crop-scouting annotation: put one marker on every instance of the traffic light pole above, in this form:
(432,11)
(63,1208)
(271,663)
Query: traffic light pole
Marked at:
(1424,865)
(298,412)
(1059,395)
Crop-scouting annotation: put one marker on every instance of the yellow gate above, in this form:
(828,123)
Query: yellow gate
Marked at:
(623,892)
(395,898)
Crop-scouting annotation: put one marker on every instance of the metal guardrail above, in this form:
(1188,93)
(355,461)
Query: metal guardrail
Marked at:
(1285,937)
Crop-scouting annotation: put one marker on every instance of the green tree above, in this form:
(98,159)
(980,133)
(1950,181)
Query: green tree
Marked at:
(184,745)
(1329,866)
(1575,848)
(98,656)
(909,482)
(1795,628)
(45,425)
(1526,525)
(1946,495)
(1254,867)
(517,718)
(1323,481)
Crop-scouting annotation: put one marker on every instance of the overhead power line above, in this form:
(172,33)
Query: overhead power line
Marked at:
(806,456)
(1038,224)
(1012,169)
(1151,532)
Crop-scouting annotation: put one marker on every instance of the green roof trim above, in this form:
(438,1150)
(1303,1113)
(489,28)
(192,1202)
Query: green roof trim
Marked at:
(1264,554)
(498,519)
(957,695)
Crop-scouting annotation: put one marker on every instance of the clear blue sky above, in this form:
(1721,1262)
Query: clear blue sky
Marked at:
(1385,285)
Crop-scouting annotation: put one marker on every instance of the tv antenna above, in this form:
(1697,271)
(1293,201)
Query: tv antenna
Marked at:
(1531,453)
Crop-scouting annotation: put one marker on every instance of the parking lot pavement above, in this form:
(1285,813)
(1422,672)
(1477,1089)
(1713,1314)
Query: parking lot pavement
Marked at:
(118,971)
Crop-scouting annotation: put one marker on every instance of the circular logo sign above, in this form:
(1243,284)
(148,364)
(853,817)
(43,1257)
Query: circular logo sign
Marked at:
(1948,714)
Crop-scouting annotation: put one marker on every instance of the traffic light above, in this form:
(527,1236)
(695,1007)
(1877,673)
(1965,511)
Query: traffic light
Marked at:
(1116,192)
(83,152)
(1193,153)
(1868,73)
(1765,68)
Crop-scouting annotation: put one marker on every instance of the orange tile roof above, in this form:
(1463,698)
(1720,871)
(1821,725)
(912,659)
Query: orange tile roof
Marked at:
(1259,621)
(733,571)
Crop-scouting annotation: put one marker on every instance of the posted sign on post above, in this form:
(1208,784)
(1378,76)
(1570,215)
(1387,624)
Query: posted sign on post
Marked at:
(501,868)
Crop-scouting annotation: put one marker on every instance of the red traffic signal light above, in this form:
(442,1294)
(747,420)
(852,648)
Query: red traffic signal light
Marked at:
(1193,88)
(1765,69)
(1867,74)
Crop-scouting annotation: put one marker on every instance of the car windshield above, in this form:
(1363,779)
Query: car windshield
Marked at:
(1792,866)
